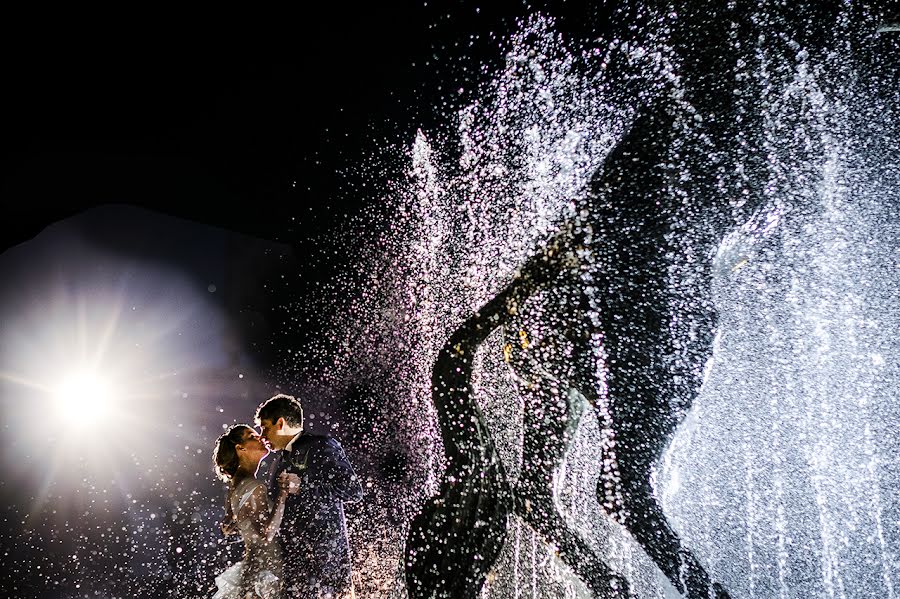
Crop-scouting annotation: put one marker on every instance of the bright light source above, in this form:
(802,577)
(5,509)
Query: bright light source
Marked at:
(98,355)
(83,399)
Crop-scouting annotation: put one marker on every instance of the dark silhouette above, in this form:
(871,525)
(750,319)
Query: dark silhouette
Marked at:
(455,539)
(548,346)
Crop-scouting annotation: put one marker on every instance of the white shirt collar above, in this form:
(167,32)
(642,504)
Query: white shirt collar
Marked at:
(290,445)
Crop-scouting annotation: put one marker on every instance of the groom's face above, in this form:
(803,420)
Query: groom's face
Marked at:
(267,430)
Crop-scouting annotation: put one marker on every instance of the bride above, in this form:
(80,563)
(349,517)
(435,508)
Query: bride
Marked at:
(237,455)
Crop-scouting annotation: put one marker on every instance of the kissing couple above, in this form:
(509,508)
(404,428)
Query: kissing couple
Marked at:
(293,528)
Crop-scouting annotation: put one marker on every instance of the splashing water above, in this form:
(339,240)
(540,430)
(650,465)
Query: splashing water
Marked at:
(465,224)
(780,477)
(788,442)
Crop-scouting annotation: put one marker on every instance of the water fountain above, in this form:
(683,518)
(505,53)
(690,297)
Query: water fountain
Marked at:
(732,181)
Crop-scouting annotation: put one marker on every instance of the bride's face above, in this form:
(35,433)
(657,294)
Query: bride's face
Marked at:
(253,445)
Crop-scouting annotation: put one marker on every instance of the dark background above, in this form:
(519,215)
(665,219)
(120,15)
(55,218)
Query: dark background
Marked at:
(254,124)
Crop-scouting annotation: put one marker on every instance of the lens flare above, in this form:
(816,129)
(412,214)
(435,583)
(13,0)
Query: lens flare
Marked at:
(84,399)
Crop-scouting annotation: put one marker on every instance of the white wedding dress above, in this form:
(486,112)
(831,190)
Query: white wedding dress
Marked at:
(259,573)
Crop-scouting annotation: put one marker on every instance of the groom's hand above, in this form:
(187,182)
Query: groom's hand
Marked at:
(228,527)
(290,482)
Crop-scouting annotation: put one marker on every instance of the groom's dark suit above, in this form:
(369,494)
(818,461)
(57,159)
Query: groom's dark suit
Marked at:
(313,531)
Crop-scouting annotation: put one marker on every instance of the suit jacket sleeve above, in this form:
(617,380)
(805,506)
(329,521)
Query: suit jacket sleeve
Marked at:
(327,472)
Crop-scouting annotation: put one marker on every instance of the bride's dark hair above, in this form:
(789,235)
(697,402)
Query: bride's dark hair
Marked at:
(224,453)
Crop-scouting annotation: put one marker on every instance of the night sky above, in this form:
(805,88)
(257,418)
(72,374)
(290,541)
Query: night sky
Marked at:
(245,123)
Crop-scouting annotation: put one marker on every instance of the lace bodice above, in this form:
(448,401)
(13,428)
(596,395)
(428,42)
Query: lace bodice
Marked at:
(247,491)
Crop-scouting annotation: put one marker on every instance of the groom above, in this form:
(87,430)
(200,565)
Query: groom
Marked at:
(320,479)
